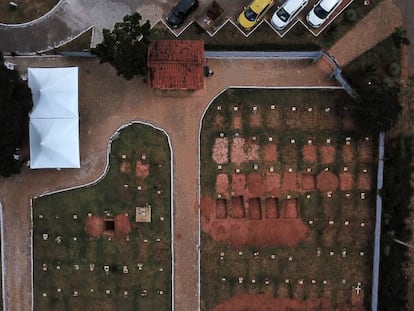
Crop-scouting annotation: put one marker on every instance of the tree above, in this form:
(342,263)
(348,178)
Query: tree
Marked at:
(125,47)
(15,106)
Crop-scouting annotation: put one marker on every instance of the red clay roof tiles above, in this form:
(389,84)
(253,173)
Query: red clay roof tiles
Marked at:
(176,64)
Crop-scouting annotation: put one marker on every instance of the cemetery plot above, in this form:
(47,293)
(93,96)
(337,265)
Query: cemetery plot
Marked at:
(108,246)
(287,208)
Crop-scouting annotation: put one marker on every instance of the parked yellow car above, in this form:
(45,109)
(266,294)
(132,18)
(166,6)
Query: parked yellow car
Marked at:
(252,14)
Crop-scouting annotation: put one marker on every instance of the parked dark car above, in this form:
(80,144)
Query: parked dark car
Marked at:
(183,8)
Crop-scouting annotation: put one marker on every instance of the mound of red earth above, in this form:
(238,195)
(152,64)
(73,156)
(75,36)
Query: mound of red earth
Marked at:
(263,302)
(95,226)
(327,181)
(239,229)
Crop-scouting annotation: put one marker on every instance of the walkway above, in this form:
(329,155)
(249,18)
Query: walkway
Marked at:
(103,109)
(70,19)
(373,28)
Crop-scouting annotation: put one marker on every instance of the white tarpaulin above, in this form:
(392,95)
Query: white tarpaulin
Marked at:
(54,121)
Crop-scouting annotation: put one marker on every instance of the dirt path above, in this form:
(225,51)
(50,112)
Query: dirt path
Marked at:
(102,110)
(373,28)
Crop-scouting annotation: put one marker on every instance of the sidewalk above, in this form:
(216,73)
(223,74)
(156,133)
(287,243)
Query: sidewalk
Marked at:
(372,29)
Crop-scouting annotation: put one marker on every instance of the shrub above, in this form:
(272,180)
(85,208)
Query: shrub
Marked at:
(351,16)
(394,69)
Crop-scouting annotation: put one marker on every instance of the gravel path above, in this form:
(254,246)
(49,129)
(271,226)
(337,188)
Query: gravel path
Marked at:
(102,110)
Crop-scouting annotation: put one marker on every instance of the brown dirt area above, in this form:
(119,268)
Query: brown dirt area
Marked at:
(348,153)
(125,167)
(290,208)
(270,153)
(364,181)
(255,120)
(122,225)
(365,151)
(141,169)
(327,181)
(221,150)
(263,302)
(237,122)
(308,182)
(327,154)
(255,209)
(309,153)
(238,183)
(273,119)
(272,184)
(237,207)
(237,151)
(243,232)
(289,181)
(222,183)
(255,185)
(346,181)
(94,226)
(271,206)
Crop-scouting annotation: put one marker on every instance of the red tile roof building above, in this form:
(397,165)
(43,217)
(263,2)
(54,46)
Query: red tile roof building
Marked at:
(176,64)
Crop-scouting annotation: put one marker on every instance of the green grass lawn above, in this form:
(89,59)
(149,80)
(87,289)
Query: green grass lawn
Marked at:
(70,275)
(280,122)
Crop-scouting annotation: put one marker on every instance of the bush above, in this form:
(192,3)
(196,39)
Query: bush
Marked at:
(351,16)
(394,69)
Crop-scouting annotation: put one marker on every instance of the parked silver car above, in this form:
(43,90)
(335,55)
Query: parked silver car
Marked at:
(321,12)
(287,12)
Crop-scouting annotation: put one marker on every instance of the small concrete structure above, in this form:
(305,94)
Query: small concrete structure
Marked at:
(143,214)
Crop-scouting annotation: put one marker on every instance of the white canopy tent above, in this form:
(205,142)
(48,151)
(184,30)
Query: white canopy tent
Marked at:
(54,121)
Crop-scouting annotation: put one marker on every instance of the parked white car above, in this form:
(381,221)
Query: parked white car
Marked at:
(287,12)
(321,12)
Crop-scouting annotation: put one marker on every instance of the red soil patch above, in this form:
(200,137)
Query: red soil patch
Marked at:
(327,154)
(122,225)
(326,181)
(125,167)
(272,184)
(364,181)
(259,233)
(348,153)
(94,226)
(290,208)
(255,120)
(221,150)
(365,153)
(252,151)
(271,206)
(237,151)
(255,209)
(237,207)
(238,183)
(141,169)
(237,122)
(289,181)
(308,182)
(255,185)
(221,208)
(263,302)
(346,181)
(222,183)
(309,153)
(270,153)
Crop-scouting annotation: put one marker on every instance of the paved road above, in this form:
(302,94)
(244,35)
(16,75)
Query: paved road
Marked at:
(102,111)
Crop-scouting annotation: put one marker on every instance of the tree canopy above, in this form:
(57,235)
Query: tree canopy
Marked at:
(125,47)
(15,106)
